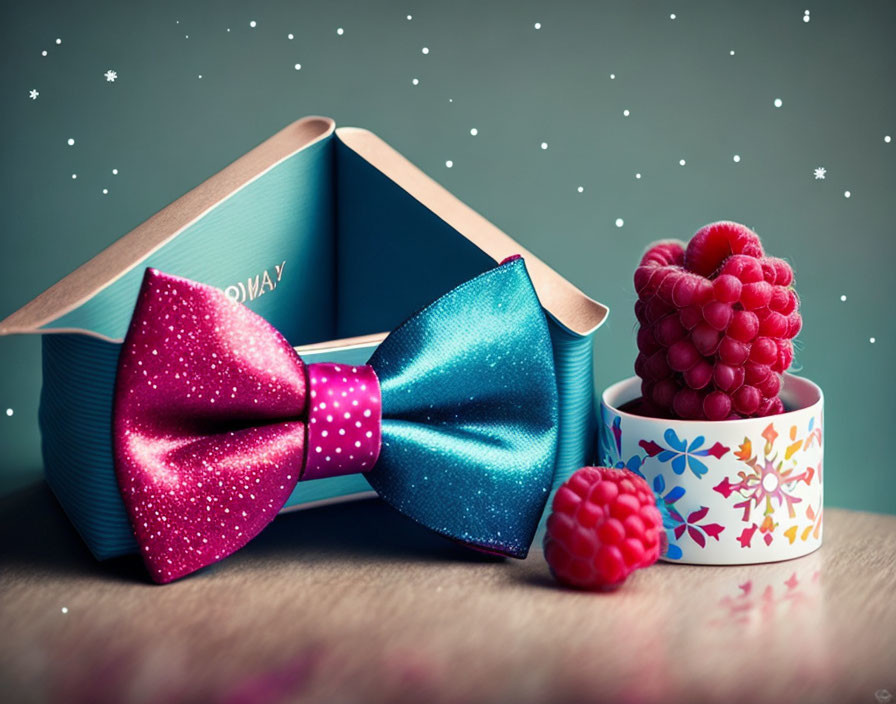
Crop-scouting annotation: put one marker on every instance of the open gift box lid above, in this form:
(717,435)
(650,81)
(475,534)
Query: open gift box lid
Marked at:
(330,235)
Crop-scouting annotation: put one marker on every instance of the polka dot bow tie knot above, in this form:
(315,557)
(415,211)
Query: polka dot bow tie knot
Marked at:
(216,418)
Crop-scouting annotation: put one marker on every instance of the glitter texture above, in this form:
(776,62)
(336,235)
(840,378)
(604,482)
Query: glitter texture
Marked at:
(210,411)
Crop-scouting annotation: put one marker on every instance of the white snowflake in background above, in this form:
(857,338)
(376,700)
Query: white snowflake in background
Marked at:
(33,94)
(111,75)
(820,173)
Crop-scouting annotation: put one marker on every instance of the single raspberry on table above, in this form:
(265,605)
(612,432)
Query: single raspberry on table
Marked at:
(717,318)
(604,525)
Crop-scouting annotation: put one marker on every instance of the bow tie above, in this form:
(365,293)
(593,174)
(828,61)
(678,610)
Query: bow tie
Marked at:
(453,421)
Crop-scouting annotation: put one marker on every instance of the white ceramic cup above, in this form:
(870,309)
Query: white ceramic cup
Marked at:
(733,491)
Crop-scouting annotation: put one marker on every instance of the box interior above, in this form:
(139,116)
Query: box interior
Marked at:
(323,245)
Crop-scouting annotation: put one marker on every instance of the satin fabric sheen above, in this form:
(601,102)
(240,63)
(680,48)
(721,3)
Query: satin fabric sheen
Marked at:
(210,437)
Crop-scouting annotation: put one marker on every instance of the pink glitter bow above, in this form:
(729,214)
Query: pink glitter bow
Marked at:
(198,485)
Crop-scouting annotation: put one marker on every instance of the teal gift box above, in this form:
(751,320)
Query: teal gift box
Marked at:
(330,235)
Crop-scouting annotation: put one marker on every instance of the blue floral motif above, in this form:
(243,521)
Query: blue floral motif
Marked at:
(611,449)
(681,455)
(671,517)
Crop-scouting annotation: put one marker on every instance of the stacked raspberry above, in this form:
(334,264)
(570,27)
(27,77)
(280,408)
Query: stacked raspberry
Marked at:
(716,324)
(604,525)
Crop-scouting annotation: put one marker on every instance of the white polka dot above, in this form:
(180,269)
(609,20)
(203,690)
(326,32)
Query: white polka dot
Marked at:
(9,411)
(672,16)
(731,53)
(367,413)
(415,81)
(847,194)
(682,162)
(64,609)
(425,50)
(612,76)
(736,158)
(626,113)
(888,139)
(71,142)
(544,145)
(340,31)
(843,298)
(253,24)
(322,405)
(290,36)
(324,433)
(449,163)
(318,449)
(872,340)
(329,419)
(357,443)
(298,67)
(347,415)
(581,189)
(58,41)
(637,175)
(778,102)
(474,131)
(43,53)
(537,25)
(342,431)
(620,222)
(369,434)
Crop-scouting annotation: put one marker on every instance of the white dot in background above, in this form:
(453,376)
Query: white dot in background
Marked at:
(626,112)
(872,340)
(228,29)
(620,222)
(449,163)
(581,189)
(340,31)
(416,81)
(778,102)
(637,175)
(450,100)
(612,76)
(847,194)
(843,298)
(474,131)
(43,53)
(682,162)
(736,158)
(424,50)
(731,53)
(186,36)
(58,41)
(544,145)
(71,142)
(888,139)
(806,18)
(290,36)
(298,67)
(64,609)
(115,172)
(410,17)
(253,24)
(537,25)
(105,191)
(200,75)
(672,16)
(74,176)
(9,411)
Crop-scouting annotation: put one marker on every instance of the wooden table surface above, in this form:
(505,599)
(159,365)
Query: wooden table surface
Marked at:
(354,603)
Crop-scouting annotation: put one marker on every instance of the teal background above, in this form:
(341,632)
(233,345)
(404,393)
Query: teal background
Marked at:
(165,130)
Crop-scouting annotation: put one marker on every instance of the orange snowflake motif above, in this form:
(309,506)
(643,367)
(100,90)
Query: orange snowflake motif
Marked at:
(767,484)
